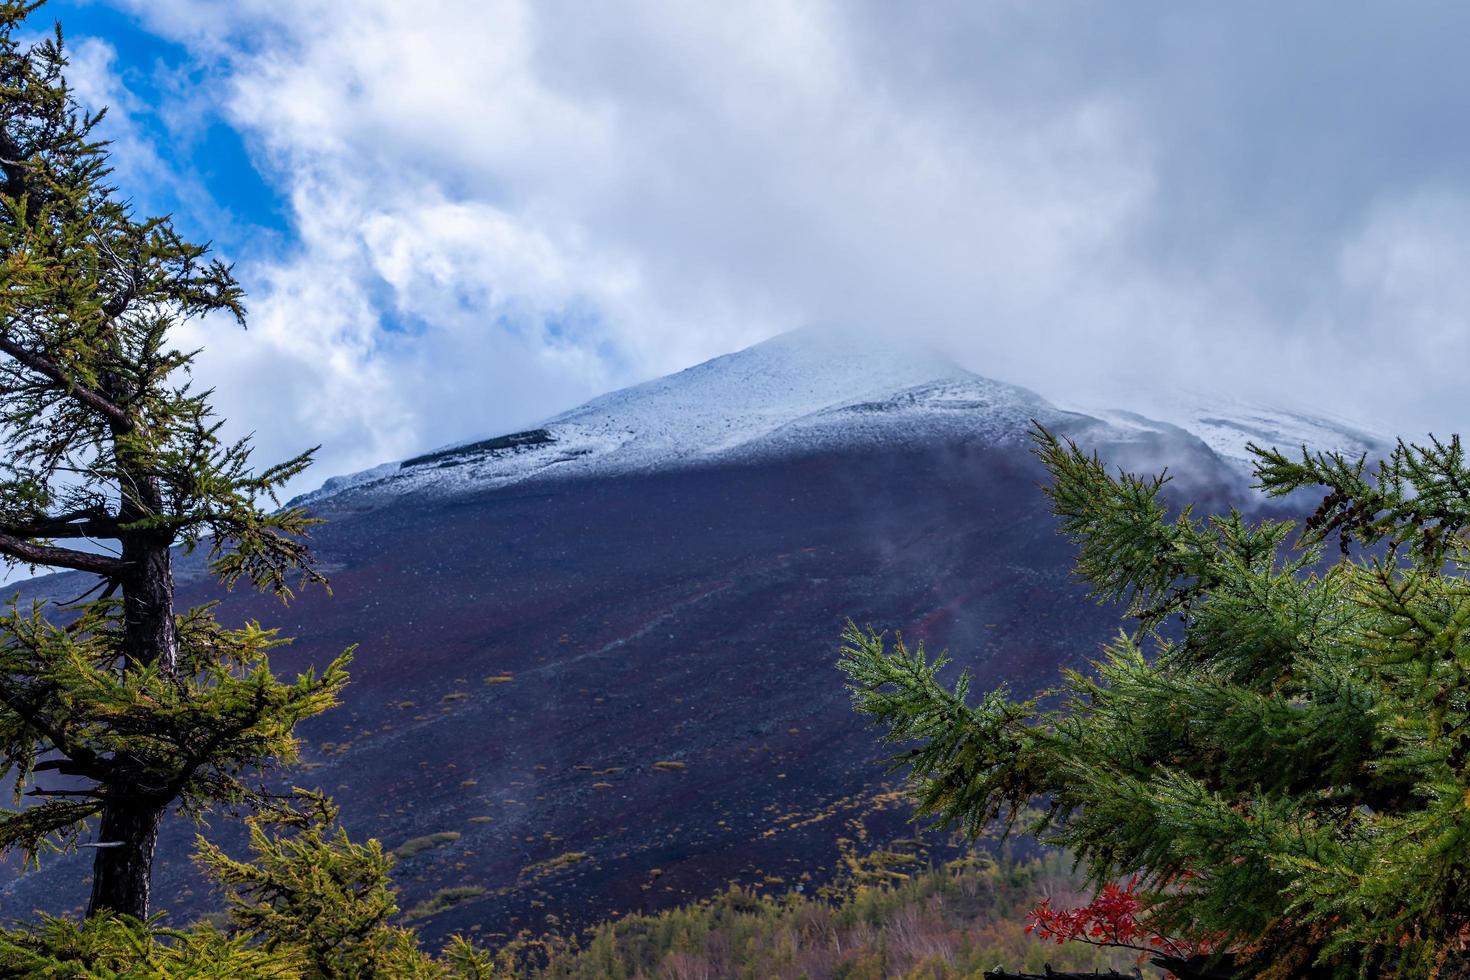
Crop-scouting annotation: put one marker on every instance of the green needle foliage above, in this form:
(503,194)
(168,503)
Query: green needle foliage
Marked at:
(1279,747)
(310,891)
(113,946)
(191,733)
(309,904)
(115,709)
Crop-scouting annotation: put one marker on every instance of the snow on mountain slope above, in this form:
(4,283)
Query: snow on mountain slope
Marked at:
(1228,424)
(813,390)
(801,391)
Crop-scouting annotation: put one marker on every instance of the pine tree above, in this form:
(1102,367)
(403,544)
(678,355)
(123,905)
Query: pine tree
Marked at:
(309,890)
(1279,746)
(308,904)
(142,707)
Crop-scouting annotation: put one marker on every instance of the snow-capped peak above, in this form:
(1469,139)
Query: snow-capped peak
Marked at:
(816,390)
(799,391)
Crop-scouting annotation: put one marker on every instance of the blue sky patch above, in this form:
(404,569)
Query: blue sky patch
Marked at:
(200,146)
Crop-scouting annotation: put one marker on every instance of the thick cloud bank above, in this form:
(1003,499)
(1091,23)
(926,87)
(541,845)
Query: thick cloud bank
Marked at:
(498,209)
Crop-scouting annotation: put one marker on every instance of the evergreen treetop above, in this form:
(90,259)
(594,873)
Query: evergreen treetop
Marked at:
(1280,746)
(309,904)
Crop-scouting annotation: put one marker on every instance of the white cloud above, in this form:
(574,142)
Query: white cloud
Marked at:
(499,208)
(1399,313)
(504,207)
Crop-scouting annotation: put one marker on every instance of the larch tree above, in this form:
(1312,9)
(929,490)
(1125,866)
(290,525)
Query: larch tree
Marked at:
(117,707)
(1275,756)
(309,890)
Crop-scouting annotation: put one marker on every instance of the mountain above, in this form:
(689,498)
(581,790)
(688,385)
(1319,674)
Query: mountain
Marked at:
(801,392)
(596,663)
(1228,425)
(814,391)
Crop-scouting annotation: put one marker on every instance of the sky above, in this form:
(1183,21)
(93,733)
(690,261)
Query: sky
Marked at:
(454,218)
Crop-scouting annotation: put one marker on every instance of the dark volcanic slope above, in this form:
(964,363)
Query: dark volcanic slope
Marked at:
(640,670)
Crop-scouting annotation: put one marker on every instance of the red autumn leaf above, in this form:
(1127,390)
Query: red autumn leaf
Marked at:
(1110,919)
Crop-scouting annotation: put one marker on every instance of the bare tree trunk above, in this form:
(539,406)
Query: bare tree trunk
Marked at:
(150,635)
(121,873)
(131,816)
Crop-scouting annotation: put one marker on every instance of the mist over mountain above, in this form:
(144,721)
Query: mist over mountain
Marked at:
(596,662)
(822,390)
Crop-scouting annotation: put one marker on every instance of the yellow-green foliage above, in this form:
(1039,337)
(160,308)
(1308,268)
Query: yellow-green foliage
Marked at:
(312,905)
(444,898)
(225,696)
(553,865)
(954,921)
(103,437)
(311,892)
(418,845)
(108,945)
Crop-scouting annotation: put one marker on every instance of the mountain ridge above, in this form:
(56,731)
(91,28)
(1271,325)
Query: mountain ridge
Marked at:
(813,390)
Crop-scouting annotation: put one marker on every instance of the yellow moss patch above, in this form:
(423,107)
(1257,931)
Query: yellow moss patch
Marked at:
(444,898)
(551,866)
(427,842)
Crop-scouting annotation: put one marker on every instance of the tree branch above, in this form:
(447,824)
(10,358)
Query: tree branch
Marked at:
(87,396)
(14,167)
(63,792)
(88,522)
(74,767)
(41,554)
(31,716)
